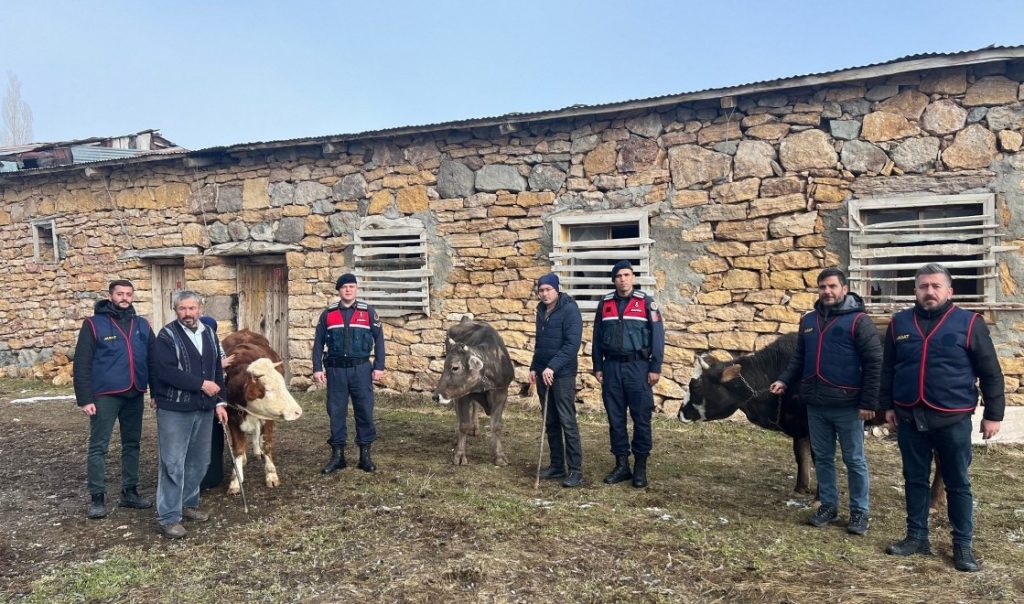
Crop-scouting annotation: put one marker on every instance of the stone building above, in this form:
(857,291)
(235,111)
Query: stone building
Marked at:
(728,201)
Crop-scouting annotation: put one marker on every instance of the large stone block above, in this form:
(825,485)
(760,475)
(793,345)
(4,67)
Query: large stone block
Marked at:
(379,202)
(777,205)
(493,178)
(1009,117)
(690,164)
(687,198)
(741,279)
(194,234)
(753,158)
(718,212)
(290,230)
(973,147)
(917,154)
(255,193)
(909,104)
(732,340)
(709,264)
(637,154)
(648,125)
(776,187)
(771,131)
(728,249)
(991,90)
(947,81)
(807,150)
(860,157)
(746,230)
(792,260)
(352,187)
(545,177)
(787,280)
(884,126)
(943,117)
(226,199)
(601,160)
(412,199)
(793,226)
(719,132)
(732,192)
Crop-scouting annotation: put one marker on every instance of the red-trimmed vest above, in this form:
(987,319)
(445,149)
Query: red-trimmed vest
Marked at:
(830,352)
(936,370)
(351,340)
(627,332)
(121,361)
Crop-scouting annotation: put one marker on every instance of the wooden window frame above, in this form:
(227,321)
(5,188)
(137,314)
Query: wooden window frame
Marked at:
(566,255)
(402,289)
(46,230)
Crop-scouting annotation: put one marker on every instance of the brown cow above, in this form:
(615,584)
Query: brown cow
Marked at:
(257,396)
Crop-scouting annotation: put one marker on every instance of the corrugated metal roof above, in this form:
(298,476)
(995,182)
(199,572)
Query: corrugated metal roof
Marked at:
(85,153)
(909,63)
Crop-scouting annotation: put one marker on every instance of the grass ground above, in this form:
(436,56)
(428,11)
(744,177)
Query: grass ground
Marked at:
(718,523)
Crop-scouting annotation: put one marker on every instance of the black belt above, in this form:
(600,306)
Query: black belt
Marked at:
(345,362)
(628,358)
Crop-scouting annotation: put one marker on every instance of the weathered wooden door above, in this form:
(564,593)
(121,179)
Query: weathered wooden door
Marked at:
(168,277)
(263,301)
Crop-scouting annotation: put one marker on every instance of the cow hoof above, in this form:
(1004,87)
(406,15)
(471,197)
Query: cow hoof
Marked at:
(501,461)
(233,490)
(460,460)
(273,482)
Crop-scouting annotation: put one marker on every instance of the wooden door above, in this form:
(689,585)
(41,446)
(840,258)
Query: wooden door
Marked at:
(167,278)
(263,302)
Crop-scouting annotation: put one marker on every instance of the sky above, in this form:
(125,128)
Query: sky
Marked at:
(218,73)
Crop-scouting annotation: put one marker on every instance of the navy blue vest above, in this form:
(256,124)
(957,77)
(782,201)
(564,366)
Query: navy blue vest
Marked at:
(629,331)
(830,353)
(352,339)
(121,361)
(935,370)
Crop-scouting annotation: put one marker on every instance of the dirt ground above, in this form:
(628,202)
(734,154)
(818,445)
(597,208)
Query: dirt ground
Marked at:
(718,524)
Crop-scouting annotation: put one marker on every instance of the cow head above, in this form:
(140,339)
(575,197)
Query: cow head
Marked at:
(463,373)
(266,394)
(715,392)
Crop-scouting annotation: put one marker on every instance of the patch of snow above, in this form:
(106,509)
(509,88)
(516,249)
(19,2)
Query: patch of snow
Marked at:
(35,399)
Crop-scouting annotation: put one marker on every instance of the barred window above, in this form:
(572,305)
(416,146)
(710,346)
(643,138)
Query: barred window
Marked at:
(47,246)
(585,247)
(392,267)
(890,238)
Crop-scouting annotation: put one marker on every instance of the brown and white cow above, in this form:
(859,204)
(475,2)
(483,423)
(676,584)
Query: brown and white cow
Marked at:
(257,396)
(477,371)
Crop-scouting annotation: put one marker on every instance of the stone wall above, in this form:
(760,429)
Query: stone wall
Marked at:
(745,202)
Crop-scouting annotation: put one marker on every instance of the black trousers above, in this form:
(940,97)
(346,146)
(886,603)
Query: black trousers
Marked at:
(562,429)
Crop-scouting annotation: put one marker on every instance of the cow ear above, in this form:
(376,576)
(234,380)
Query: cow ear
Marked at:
(278,364)
(731,372)
(475,363)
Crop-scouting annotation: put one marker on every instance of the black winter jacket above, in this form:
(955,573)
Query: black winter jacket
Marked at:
(559,336)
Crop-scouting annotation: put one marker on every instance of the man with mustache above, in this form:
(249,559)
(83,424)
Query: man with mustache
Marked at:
(838,362)
(935,355)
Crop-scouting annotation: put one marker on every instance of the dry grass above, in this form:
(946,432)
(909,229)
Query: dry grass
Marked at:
(718,523)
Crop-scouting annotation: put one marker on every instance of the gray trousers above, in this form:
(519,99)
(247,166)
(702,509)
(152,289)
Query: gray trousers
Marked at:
(184,440)
(126,410)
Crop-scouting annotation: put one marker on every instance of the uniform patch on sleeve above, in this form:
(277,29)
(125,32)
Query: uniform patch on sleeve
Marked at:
(655,311)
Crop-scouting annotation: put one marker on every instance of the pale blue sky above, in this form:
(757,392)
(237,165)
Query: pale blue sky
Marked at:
(215,73)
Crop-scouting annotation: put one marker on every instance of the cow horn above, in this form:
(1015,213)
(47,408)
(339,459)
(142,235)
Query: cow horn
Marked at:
(703,364)
(451,342)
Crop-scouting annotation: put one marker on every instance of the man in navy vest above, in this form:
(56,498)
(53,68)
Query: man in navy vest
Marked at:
(628,349)
(350,331)
(187,383)
(936,354)
(111,374)
(559,334)
(838,362)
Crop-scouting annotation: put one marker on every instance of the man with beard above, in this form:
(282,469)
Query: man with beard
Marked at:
(111,374)
(935,355)
(838,361)
(187,379)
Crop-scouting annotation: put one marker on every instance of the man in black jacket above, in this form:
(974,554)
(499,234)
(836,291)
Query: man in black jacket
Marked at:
(111,374)
(187,379)
(559,335)
(838,362)
(935,355)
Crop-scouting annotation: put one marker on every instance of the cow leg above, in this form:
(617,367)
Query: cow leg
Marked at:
(463,414)
(474,420)
(268,455)
(239,444)
(257,440)
(497,404)
(804,461)
(938,494)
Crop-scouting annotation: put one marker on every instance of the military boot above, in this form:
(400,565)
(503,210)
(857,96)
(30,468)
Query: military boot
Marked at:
(337,460)
(964,560)
(130,498)
(640,472)
(97,506)
(365,461)
(621,470)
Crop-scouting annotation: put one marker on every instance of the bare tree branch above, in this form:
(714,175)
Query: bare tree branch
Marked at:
(16,114)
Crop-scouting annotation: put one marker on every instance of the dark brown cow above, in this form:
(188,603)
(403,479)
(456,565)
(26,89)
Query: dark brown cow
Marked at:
(257,396)
(477,371)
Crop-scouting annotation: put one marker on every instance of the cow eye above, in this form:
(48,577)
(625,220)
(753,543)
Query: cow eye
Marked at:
(455,368)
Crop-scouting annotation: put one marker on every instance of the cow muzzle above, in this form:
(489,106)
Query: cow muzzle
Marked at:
(440,399)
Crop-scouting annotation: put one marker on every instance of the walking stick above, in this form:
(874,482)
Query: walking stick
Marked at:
(543,433)
(234,466)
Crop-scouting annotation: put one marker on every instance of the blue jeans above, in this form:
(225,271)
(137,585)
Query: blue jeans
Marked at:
(826,423)
(184,441)
(357,383)
(126,410)
(953,445)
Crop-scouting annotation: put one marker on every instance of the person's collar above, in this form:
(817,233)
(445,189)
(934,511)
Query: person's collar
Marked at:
(341,303)
(627,294)
(931,314)
(200,327)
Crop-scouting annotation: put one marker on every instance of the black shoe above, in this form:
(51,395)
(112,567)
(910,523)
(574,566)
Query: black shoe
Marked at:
(621,470)
(964,560)
(640,472)
(552,473)
(910,546)
(337,460)
(365,461)
(573,480)
(130,498)
(858,523)
(823,516)
(97,507)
